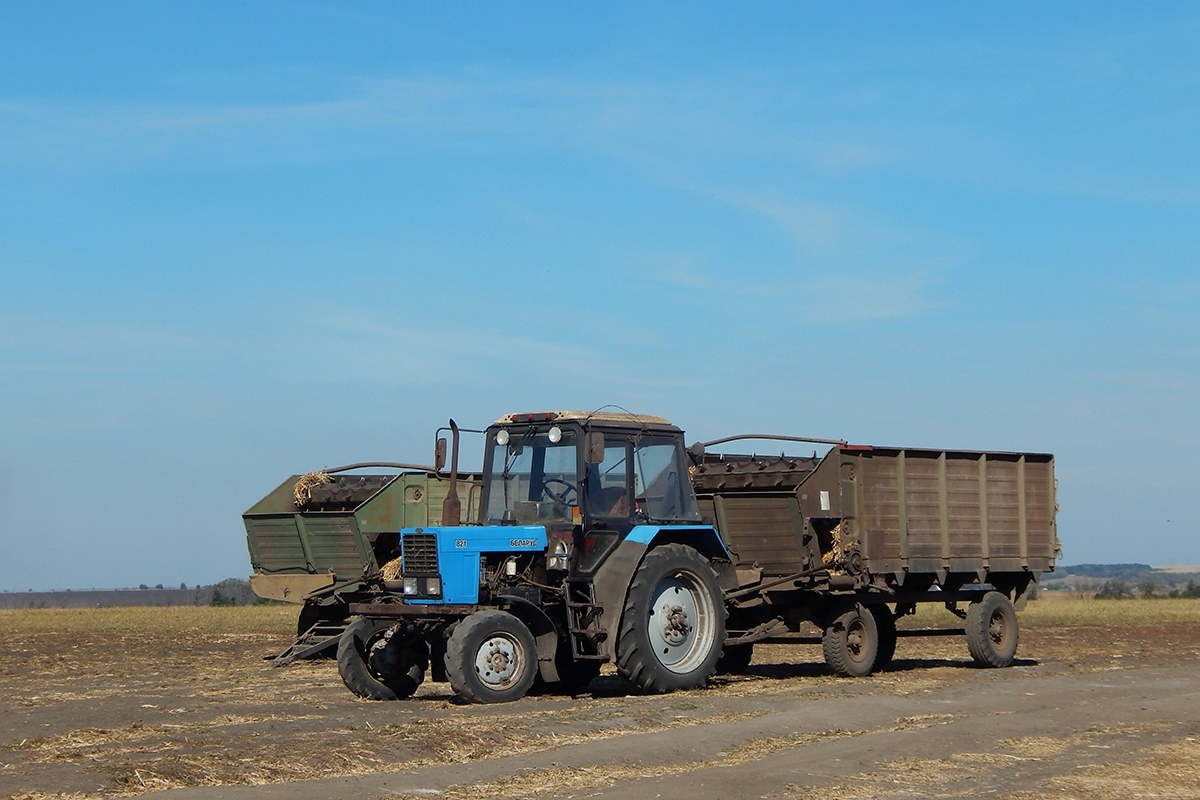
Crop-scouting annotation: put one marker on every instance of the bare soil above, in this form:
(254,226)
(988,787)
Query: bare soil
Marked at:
(1103,702)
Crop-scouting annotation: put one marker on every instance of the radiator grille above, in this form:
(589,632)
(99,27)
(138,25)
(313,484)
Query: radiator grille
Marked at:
(420,553)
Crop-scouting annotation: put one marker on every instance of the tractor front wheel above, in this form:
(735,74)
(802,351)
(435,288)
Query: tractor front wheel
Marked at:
(491,657)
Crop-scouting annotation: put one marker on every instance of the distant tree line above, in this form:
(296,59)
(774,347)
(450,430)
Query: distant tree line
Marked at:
(1118,589)
(1125,572)
(229,592)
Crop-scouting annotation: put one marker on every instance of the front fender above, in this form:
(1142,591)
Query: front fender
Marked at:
(542,628)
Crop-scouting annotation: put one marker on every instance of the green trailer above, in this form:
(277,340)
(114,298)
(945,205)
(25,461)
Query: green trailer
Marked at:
(316,538)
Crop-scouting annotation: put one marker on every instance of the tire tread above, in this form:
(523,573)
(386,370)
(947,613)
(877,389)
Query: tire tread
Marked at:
(634,661)
(978,623)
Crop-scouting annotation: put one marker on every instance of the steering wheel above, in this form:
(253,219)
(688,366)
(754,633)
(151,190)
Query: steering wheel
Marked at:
(561,496)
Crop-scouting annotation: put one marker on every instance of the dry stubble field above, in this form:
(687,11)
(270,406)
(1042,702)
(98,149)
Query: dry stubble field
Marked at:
(110,702)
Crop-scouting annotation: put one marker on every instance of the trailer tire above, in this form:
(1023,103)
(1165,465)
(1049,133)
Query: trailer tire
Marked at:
(885,625)
(991,627)
(491,657)
(378,666)
(851,643)
(673,623)
(735,659)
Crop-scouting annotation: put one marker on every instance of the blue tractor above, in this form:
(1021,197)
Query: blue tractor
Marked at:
(589,548)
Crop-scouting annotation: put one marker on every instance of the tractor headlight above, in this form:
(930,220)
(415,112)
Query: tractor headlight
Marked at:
(410,585)
(433,586)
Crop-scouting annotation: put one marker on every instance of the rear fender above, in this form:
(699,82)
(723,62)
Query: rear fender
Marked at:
(702,538)
(616,573)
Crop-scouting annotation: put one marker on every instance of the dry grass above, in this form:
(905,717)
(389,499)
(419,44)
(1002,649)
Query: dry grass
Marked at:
(1166,771)
(351,751)
(232,749)
(568,780)
(558,780)
(214,713)
(1052,610)
(1049,611)
(269,620)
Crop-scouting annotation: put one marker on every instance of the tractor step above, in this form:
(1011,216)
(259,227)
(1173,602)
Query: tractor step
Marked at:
(583,620)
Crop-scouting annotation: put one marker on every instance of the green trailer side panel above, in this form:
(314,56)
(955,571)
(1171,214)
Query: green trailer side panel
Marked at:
(336,545)
(280,500)
(384,511)
(414,500)
(282,539)
(275,544)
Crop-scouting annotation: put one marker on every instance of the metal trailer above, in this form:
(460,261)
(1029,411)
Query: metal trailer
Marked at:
(601,539)
(854,540)
(315,539)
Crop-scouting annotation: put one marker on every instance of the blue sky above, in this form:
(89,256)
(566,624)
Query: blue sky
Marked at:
(244,240)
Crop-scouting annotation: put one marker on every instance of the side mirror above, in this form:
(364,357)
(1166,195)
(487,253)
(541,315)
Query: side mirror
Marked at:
(439,455)
(696,451)
(593,452)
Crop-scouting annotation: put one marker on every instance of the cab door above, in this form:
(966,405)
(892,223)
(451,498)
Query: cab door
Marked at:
(608,503)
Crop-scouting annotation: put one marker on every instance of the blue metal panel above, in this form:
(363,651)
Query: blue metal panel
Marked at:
(459,550)
(646,534)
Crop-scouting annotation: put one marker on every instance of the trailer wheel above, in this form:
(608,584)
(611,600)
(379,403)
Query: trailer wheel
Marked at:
(491,657)
(991,626)
(851,643)
(735,659)
(673,623)
(376,664)
(885,624)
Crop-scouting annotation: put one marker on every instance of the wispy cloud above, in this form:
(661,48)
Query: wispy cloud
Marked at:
(806,223)
(812,296)
(658,128)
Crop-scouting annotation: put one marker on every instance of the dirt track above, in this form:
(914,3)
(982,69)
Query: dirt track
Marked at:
(141,705)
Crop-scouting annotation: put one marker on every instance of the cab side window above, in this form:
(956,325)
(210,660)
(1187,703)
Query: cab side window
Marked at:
(661,481)
(608,481)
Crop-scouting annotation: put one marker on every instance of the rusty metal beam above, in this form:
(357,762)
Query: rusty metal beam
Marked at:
(402,610)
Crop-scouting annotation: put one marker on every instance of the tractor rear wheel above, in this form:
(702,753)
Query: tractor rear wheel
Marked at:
(673,623)
(491,657)
(378,664)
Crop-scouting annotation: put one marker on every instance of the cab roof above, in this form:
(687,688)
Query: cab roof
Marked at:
(611,417)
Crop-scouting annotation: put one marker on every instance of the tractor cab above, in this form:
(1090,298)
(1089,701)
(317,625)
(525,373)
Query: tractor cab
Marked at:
(589,478)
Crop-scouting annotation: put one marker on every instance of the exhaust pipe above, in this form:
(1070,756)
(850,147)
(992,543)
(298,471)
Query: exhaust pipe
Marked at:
(451,506)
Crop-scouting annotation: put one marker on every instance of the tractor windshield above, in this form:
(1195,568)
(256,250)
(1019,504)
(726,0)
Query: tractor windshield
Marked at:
(532,477)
